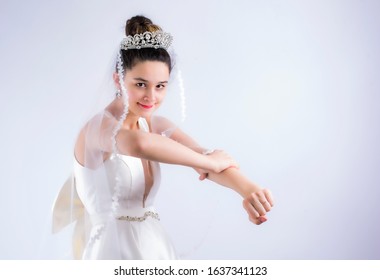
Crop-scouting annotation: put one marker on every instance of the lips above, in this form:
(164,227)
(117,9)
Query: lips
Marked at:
(146,106)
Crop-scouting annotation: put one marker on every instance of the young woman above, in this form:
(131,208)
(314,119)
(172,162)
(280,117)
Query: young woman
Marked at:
(117,154)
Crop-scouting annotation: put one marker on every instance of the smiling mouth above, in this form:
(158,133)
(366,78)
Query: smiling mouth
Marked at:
(146,106)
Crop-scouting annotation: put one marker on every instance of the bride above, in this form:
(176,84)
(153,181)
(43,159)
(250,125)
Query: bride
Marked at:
(117,153)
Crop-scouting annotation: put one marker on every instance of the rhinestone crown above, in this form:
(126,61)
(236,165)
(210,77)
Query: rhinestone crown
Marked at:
(157,39)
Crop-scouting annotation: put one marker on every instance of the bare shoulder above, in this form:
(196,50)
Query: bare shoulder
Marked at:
(160,120)
(94,135)
(160,125)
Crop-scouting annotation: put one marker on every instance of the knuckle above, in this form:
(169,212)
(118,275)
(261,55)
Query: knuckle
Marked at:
(253,196)
(262,212)
(261,197)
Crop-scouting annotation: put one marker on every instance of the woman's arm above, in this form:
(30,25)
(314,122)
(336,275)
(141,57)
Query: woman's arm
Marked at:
(162,149)
(144,145)
(256,201)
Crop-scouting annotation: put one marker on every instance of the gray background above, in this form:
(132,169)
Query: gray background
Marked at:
(289,88)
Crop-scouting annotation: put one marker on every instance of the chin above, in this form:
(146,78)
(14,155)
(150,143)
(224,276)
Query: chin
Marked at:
(146,114)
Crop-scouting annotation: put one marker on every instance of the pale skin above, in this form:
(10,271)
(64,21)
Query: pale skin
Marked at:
(146,86)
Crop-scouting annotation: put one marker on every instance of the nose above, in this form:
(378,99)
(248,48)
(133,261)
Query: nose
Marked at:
(150,94)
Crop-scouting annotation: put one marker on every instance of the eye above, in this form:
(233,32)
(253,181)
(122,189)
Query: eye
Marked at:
(142,85)
(160,86)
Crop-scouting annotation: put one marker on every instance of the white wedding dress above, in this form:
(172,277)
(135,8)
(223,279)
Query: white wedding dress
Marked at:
(135,232)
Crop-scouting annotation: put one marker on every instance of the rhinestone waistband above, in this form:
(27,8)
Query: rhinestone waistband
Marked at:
(140,219)
(130,214)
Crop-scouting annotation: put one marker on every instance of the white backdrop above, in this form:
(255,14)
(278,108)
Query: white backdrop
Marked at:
(289,88)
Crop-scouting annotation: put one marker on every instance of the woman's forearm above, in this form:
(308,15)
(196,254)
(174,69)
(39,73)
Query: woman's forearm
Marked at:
(234,179)
(256,201)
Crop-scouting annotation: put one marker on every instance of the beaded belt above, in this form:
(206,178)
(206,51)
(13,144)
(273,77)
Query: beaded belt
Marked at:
(140,219)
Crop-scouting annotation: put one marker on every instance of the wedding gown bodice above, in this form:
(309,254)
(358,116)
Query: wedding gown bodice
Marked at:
(120,205)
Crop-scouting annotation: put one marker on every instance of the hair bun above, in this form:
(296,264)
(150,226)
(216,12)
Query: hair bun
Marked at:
(139,24)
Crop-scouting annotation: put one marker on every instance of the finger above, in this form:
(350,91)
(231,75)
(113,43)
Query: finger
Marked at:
(254,200)
(256,221)
(234,164)
(263,219)
(203,176)
(259,220)
(264,202)
(266,206)
(269,196)
(208,152)
(252,213)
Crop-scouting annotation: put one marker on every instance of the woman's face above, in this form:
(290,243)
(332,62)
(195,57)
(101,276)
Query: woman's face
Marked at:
(146,85)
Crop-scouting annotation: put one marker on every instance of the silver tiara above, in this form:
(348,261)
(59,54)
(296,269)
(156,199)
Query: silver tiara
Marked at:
(156,39)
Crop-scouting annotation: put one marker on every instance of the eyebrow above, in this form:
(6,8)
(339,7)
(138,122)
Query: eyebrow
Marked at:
(145,81)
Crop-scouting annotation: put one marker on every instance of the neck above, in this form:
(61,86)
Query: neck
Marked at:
(131,120)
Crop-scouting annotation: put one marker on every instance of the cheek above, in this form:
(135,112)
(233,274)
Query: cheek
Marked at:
(134,94)
(161,96)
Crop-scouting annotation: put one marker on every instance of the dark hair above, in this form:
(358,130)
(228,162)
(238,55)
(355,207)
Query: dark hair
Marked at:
(141,24)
